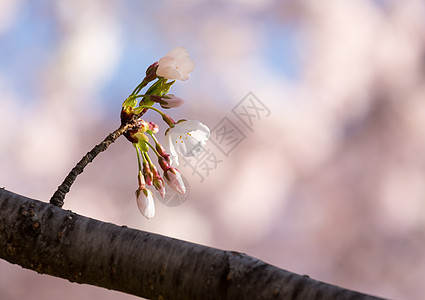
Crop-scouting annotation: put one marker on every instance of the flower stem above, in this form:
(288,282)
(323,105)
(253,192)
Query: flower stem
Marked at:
(138,157)
(139,87)
(148,159)
(153,136)
(153,148)
(155,109)
(59,195)
(167,119)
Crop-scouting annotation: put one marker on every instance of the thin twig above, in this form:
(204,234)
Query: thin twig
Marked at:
(59,196)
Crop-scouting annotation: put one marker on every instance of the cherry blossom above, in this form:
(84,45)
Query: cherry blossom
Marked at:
(176,64)
(187,138)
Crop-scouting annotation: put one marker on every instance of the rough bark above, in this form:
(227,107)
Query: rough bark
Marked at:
(47,239)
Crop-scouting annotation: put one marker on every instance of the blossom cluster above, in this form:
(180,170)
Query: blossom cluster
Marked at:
(185,137)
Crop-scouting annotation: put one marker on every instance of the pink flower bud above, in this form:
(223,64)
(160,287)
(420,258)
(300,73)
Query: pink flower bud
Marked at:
(163,163)
(144,200)
(175,180)
(170,101)
(158,183)
(141,180)
(151,72)
(167,119)
(161,151)
(153,127)
(147,173)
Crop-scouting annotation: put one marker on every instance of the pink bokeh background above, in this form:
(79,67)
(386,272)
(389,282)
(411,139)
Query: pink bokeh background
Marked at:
(330,184)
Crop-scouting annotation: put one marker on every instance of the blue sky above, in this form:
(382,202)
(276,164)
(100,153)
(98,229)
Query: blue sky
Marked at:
(28,45)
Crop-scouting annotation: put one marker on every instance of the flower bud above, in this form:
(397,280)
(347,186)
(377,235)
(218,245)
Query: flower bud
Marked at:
(144,200)
(153,127)
(158,183)
(141,180)
(151,72)
(161,150)
(147,173)
(170,101)
(167,119)
(176,64)
(163,163)
(175,180)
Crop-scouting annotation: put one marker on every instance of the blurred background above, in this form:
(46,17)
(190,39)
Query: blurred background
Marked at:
(329,183)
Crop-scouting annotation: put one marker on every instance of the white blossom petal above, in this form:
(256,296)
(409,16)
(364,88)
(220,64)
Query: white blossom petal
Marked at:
(187,138)
(168,144)
(176,64)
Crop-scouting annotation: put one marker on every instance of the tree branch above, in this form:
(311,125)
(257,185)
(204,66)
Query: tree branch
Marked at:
(59,195)
(47,239)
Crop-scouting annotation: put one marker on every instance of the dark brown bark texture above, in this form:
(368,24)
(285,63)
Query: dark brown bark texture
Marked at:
(47,239)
